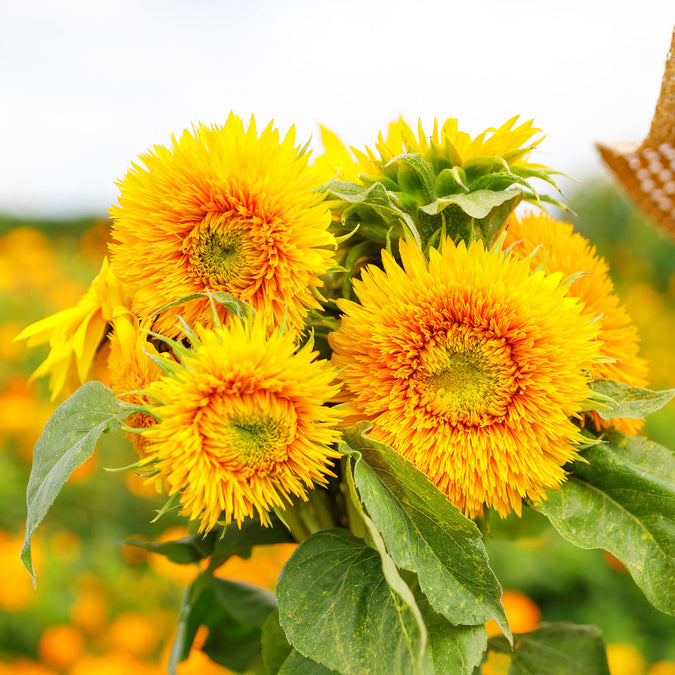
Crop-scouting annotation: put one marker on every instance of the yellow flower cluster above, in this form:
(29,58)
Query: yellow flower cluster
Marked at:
(471,362)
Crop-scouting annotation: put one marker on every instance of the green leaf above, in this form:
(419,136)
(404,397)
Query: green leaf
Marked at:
(452,650)
(275,647)
(67,441)
(425,533)
(219,543)
(280,658)
(297,664)
(475,204)
(623,500)
(234,614)
(451,181)
(337,608)
(183,551)
(627,401)
(556,649)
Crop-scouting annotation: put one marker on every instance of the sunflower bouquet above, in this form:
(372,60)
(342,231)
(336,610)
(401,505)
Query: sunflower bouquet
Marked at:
(370,354)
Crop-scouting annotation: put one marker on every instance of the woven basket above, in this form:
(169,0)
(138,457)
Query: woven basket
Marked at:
(647,170)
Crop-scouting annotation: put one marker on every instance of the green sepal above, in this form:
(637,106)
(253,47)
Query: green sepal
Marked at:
(68,440)
(415,176)
(622,400)
(475,204)
(556,649)
(451,181)
(233,305)
(621,497)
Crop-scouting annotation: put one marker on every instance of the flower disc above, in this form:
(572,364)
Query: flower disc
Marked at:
(243,424)
(222,209)
(469,366)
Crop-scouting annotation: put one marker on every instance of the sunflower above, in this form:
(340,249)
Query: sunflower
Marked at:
(75,334)
(243,425)
(507,142)
(222,209)
(469,365)
(540,238)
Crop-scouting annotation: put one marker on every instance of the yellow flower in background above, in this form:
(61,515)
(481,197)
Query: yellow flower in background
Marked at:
(540,239)
(75,334)
(244,425)
(222,209)
(625,659)
(470,366)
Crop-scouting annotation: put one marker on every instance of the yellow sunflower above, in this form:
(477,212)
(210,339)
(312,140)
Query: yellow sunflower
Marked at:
(470,366)
(222,209)
(244,424)
(507,141)
(75,334)
(538,237)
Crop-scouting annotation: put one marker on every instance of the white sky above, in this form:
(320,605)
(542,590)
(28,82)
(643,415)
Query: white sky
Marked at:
(87,86)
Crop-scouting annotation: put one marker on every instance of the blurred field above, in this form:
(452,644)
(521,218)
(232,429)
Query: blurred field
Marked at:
(102,607)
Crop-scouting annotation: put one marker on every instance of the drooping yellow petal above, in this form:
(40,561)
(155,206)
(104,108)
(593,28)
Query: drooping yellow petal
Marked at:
(75,334)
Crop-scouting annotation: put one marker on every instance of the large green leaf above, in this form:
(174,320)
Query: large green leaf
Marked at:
(425,533)
(67,441)
(627,401)
(282,659)
(337,608)
(556,649)
(234,614)
(622,499)
(451,650)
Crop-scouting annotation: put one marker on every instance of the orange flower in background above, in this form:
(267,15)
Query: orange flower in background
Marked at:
(261,569)
(243,425)
(222,209)
(542,240)
(469,365)
(75,334)
(522,613)
(16,589)
(60,646)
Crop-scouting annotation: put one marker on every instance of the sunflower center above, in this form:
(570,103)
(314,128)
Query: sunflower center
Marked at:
(221,254)
(468,379)
(254,440)
(462,381)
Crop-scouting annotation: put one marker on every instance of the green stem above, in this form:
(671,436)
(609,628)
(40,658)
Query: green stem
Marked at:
(318,498)
(356,523)
(293,522)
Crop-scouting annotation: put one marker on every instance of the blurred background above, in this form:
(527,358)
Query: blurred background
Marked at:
(86,87)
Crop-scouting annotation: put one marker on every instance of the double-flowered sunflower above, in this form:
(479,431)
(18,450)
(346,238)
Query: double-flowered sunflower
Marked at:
(469,365)
(222,209)
(543,240)
(243,424)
